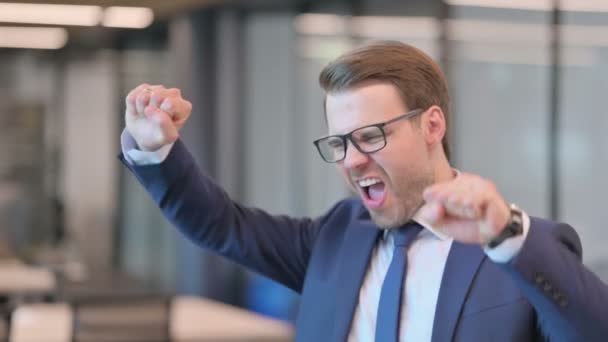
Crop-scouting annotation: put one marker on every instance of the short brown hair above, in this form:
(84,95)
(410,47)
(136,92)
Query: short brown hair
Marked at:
(416,76)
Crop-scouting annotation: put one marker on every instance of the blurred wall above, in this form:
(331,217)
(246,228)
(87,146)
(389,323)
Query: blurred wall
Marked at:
(89,144)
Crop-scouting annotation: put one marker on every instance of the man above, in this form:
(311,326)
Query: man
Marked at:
(425,253)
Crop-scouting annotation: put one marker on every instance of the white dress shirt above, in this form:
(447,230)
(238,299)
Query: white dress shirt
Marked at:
(427,256)
(426,260)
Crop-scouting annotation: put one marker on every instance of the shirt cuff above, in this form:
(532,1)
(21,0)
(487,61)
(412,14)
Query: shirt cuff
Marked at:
(135,156)
(507,250)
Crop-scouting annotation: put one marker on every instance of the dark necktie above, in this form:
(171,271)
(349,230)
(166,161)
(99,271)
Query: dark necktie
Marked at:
(387,320)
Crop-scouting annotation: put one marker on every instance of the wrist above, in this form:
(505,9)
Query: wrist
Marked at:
(513,227)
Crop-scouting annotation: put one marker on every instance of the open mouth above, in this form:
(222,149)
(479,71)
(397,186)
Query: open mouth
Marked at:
(372,191)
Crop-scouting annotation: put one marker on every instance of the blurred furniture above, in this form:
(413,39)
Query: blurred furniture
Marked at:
(3,330)
(200,319)
(41,322)
(121,318)
(20,279)
(19,284)
(180,319)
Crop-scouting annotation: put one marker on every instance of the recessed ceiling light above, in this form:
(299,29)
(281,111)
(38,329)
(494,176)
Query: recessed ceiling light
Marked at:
(33,37)
(49,14)
(128,17)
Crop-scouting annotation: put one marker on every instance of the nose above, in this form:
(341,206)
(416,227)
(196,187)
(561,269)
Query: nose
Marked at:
(354,158)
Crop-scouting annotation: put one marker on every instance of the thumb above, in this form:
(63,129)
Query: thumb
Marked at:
(167,130)
(432,212)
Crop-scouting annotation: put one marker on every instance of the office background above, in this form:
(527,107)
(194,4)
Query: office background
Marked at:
(528,81)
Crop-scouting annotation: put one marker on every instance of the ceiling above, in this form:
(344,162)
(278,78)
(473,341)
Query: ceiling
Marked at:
(100,36)
(162,8)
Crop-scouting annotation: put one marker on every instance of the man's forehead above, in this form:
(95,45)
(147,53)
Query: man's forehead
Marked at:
(377,94)
(351,123)
(354,108)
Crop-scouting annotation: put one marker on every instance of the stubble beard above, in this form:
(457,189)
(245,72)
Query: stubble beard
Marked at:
(407,199)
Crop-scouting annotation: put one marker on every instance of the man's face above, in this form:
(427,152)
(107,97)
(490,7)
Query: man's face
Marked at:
(390,181)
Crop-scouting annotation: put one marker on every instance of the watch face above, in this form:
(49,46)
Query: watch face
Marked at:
(517,221)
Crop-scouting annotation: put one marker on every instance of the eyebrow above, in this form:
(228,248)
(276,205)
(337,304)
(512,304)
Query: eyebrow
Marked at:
(410,113)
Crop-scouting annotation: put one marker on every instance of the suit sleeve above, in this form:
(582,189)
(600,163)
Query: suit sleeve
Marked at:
(278,247)
(571,302)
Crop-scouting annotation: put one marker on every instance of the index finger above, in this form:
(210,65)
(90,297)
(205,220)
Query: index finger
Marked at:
(132,97)
(436,191)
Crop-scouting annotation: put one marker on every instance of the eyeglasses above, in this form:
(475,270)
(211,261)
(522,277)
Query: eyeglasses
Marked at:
(366,139)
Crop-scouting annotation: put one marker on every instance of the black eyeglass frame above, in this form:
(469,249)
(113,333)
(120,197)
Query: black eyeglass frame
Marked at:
(349,136)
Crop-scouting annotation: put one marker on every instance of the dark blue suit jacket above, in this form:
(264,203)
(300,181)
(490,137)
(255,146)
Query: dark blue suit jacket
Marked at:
(544,293)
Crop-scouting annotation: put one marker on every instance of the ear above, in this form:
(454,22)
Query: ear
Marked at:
(434,126)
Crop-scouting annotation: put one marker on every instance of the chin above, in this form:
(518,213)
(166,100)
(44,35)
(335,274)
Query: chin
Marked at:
(392,216)
(385,221)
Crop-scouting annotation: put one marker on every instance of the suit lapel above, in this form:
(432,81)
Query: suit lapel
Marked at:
(460,269)
(354,260)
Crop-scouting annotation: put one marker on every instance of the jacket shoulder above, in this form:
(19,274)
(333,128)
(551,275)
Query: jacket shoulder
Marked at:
(563,232)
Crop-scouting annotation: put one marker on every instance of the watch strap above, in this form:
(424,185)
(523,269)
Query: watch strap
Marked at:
(514,227)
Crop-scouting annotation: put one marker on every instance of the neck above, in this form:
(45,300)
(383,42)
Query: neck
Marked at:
(443,170)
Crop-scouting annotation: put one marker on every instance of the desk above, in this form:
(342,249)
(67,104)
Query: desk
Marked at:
(20,279)
(189,319)
(201,319)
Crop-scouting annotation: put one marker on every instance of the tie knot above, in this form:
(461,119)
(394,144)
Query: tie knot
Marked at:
(406,234)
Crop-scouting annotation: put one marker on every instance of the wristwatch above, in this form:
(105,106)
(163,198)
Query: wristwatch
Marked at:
(514,227)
